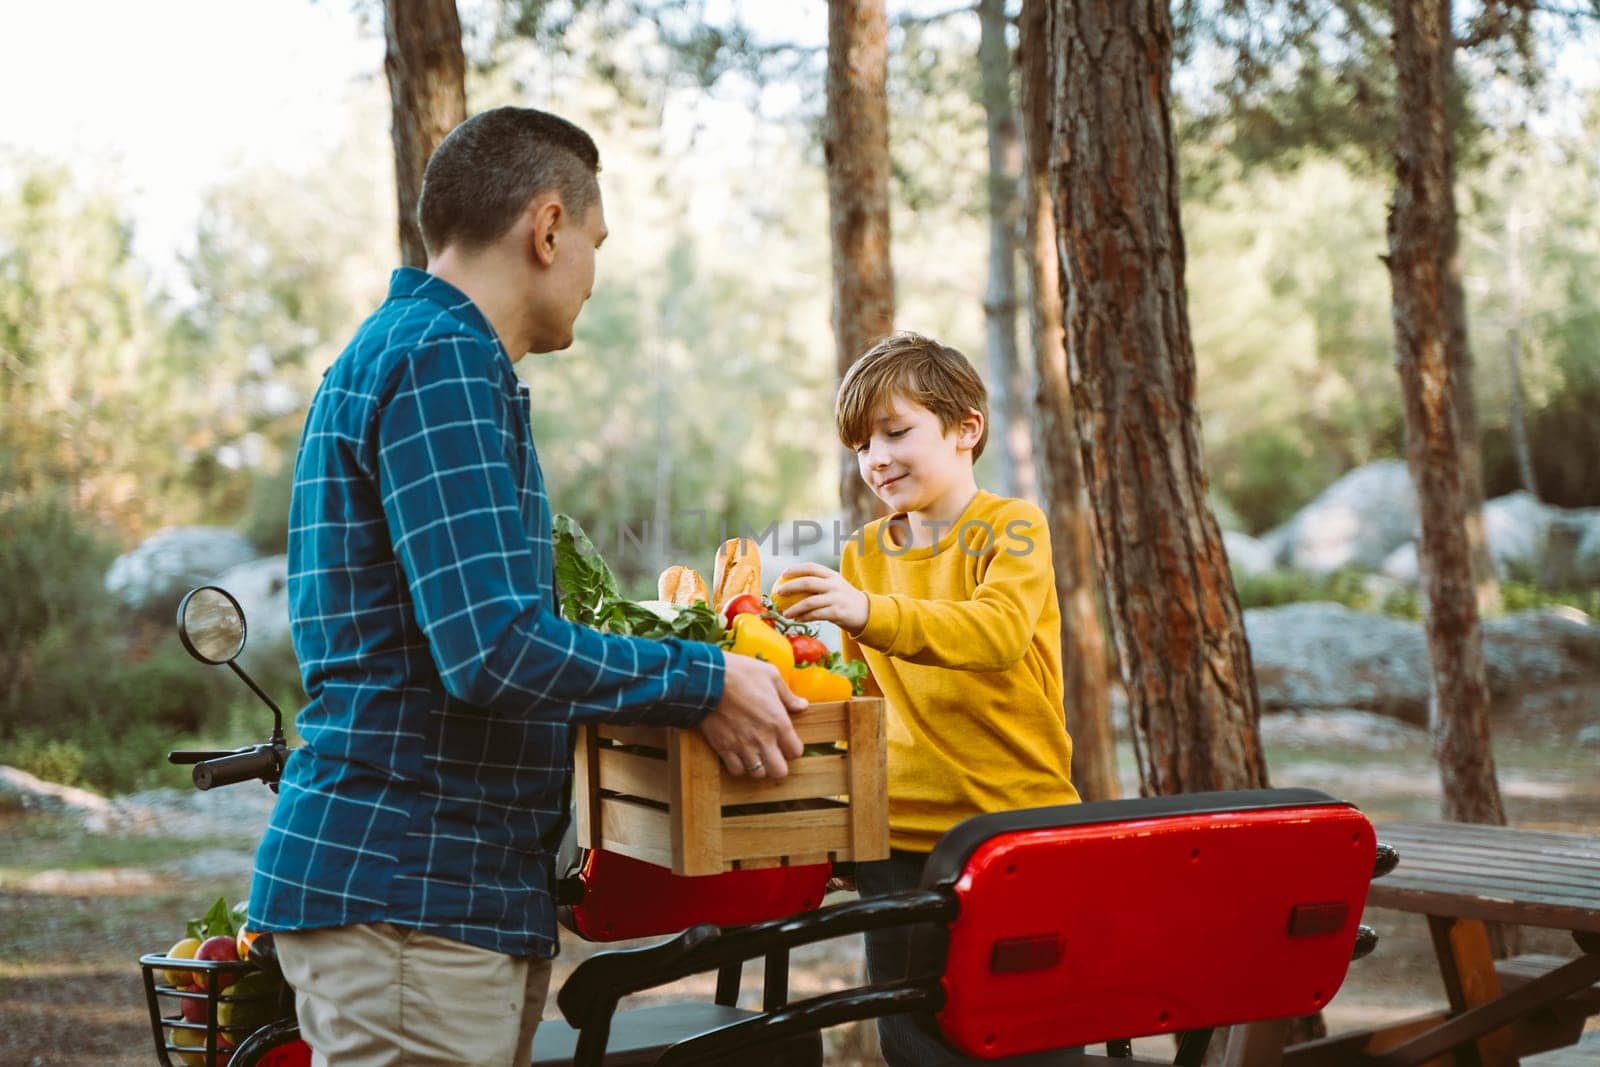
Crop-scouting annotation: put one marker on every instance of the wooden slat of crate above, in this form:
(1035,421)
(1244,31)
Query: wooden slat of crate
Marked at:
(786,833)
(809,776)
(636,775)
(645,736)
(869,803)
(637,830)
(821,723)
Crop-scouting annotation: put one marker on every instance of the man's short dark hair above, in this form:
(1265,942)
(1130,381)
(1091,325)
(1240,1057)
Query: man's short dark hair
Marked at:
(485,171)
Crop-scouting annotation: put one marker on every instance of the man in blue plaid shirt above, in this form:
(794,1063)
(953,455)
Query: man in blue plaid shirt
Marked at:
(407,865)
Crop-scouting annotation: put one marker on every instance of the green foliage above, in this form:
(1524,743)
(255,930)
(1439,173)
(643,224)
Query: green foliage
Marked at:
(266,512)
(1351,588)
(88,695)
(1526,596)
(1296,381)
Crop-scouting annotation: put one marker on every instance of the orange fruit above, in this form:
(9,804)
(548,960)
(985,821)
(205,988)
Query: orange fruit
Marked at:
(820,685)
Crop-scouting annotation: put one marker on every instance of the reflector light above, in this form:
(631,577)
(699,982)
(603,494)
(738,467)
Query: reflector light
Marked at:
(1037,953)
(1310,920)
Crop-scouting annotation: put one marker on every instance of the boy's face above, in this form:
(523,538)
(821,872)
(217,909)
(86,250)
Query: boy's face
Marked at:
(911,462)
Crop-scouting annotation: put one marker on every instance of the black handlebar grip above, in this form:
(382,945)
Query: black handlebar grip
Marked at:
(1366,941)
(258,762)
(196,756)
(1387,859)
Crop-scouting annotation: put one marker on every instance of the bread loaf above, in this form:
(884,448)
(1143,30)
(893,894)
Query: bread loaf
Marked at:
(681,586)
(738,570)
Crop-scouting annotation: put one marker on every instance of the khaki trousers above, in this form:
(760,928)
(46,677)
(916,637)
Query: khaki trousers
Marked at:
(377,995)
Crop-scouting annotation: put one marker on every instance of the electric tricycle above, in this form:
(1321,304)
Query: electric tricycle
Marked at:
(1047,928)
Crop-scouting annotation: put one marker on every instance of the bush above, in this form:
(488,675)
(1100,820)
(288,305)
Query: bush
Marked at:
(266,521)
(89,696)
(1353,589)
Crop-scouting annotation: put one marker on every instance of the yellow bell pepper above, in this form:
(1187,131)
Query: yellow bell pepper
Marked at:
(753,637)
(820,685)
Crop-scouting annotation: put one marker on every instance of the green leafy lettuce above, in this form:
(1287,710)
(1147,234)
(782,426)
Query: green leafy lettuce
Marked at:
(590,596)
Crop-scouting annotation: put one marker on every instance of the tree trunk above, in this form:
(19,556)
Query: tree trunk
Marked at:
(856,148)
(428,97)
(1083,638)
(1421,269)
(1173,609)
(1486,586)
(1008,418)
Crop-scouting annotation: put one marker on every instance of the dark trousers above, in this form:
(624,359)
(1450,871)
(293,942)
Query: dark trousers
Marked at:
(900,952)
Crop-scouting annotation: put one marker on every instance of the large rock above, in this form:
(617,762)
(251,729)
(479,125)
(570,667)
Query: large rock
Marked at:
(1326,656)
(154,576)
(1586,558)
(1545,647)
(1316,656)
(1517,526)
(1247,556)
(1572,551)
(262,589)
(1356,522)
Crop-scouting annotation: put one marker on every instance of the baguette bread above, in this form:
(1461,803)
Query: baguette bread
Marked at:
(738,570)
(681,586)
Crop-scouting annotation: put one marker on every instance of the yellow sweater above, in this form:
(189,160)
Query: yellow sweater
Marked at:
(963,639)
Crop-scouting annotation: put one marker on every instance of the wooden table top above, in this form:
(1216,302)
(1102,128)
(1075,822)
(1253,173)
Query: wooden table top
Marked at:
(1495,873)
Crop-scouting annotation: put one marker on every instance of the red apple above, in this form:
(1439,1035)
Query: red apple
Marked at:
(193,1008)
(222,948)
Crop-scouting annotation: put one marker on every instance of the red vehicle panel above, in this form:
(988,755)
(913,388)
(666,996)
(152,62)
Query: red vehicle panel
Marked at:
(626,898)
(1042,953)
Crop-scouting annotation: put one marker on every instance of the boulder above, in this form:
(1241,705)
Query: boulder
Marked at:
(155,575)
(1326,656)
(1572,560)
(1402,564)
(262,589)
(1356,522)
(19,789)
(1540,648)
(1517,526)
(1247,556)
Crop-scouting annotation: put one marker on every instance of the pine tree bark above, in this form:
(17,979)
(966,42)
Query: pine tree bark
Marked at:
(428,98)
(1009,431)
(1084,654)
(1421,270)
(1174,613)
(856,149)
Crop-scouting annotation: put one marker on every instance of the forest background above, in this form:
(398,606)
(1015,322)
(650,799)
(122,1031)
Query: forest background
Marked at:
(142,390)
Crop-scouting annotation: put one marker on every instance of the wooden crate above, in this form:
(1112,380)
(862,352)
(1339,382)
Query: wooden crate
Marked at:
(661,795)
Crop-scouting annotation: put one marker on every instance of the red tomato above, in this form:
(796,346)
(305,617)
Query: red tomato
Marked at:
(743,604)
(807,649)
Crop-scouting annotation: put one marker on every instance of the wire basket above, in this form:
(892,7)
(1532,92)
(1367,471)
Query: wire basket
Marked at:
(200,1010)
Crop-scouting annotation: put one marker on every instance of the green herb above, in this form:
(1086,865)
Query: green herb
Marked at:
(590,595)
(582,577)
(855,670)
(220,921)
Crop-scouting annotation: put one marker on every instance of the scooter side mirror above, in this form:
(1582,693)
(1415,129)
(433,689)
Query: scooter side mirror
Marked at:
(211,625)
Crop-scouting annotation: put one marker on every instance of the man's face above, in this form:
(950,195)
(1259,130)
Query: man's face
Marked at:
(570,280)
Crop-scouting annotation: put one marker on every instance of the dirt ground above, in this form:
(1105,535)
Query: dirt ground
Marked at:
(77,909)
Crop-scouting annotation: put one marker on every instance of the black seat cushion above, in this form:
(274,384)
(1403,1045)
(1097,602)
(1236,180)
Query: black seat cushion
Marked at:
(641,1035)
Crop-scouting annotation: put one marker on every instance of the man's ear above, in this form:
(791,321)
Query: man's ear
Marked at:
(545,216)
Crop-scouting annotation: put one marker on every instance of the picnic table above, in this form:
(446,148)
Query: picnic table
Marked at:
(1462,876)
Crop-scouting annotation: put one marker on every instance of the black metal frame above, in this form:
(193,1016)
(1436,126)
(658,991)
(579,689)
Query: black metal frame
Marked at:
(589,998)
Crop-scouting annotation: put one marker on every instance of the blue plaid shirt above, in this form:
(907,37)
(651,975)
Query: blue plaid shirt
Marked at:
(432,786)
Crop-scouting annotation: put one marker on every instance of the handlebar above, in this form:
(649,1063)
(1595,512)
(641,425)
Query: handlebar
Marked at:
(225,767)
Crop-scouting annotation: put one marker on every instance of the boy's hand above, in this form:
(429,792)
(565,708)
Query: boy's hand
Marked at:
(750,728)
(827,596)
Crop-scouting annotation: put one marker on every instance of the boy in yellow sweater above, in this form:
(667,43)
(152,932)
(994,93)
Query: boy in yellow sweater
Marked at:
(951,600)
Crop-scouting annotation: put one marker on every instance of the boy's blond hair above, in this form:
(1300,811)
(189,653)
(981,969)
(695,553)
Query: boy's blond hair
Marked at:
(915,368)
